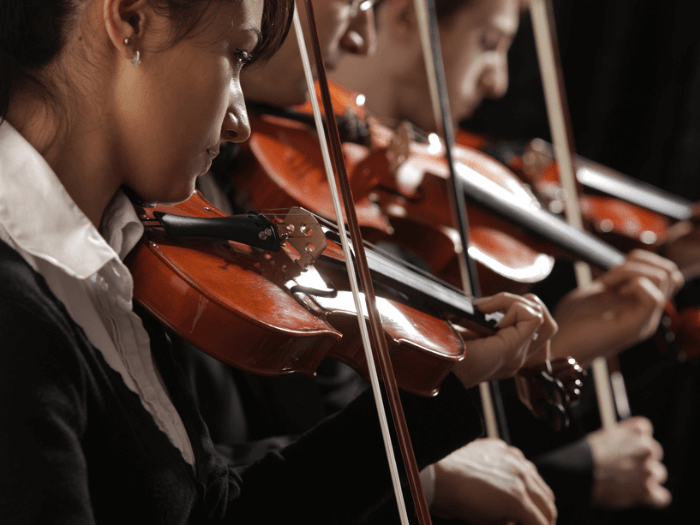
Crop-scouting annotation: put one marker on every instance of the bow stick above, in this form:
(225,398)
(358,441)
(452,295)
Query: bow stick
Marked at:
(492,405)
(376,334)
(562,140)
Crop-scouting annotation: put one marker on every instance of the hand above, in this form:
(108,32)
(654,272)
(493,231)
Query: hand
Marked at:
(628,468)
(523,338)
(488,481)
(621,308)
(683,247)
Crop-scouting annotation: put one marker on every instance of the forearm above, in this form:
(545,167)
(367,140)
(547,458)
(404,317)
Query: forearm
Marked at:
(341,462)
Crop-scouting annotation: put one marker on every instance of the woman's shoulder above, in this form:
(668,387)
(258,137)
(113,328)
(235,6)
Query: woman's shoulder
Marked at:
(24,294)
(32,319)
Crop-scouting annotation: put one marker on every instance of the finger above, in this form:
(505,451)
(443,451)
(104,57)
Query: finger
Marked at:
(639,292)
(639,424)
(657,451)
(630,270)
(646,448)
(528,513)
(675,276)
(541,495)
(524,315)
(657,471)
(500,302)
(652,259)
(536,490)
(537,480)
(658,496)
(663,272)
(549,326)
(645,445)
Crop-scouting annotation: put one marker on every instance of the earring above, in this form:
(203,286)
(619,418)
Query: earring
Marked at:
(136,57)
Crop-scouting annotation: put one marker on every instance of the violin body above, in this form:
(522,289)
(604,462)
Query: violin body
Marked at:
(283,167)
(215,296)
(507,259)
(230,301)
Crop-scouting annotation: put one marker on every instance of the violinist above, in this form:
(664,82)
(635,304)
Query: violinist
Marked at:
(97,424)
(622,308)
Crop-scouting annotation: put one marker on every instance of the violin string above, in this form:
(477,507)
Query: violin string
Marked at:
(394,259)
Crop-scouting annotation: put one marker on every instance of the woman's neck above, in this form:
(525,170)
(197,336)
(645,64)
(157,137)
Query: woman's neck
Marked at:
(76,150)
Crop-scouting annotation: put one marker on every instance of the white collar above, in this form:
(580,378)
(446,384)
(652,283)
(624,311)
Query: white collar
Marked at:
(43,220)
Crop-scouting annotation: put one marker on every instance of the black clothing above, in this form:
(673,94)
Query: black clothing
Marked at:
(79,447)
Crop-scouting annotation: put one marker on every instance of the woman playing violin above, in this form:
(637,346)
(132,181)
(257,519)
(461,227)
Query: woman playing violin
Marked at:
(97,425)
(623,307)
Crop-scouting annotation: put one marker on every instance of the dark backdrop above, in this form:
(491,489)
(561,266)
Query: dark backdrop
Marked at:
(632,74)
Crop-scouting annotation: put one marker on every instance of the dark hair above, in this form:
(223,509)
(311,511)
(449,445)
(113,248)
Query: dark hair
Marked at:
(33,33)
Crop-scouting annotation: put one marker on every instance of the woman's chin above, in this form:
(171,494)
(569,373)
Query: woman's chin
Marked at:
(176,198)
(170,196)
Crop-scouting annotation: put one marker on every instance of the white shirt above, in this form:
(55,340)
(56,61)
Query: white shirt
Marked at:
(84,269)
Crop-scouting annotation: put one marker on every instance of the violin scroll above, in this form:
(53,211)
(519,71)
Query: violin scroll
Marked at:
(549,390)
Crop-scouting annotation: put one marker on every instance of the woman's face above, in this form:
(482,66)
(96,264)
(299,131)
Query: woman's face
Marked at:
(475,43)
(174,110)
(475,40)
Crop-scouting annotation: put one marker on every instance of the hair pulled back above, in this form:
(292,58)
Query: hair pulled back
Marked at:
(33,34)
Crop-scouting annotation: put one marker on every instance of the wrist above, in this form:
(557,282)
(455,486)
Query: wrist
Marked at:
(427,477)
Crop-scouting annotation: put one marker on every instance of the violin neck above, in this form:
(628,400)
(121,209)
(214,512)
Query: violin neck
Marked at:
(605,180)
(542,223)
(391,273)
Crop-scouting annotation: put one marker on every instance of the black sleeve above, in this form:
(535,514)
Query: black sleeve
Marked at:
(568,471)
(249,415)
(43,469)
(222,406)
(339,470)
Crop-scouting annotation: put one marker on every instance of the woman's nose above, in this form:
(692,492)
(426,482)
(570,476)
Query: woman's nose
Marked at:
(236,126)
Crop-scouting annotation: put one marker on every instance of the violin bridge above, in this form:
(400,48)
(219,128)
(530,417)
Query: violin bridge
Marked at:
(304,234)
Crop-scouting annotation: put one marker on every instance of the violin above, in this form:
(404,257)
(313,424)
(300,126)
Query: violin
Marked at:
(282,296)
(413,191)
(279,306)
(625,212)
(619,223)
(280,168)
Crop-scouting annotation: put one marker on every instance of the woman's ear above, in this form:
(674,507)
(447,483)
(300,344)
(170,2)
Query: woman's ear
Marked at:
(125,22)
